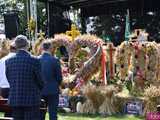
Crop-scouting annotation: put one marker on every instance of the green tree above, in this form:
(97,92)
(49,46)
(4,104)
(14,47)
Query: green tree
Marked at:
(41,16)
(113,25)
(21,7)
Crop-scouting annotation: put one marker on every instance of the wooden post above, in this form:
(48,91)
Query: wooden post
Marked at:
(111,66)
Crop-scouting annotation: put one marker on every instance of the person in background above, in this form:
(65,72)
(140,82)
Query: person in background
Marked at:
(52,77)
(4,85)
(23,74)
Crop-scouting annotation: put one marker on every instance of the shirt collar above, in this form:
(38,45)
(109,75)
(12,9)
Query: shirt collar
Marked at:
(46,52)
(22,51)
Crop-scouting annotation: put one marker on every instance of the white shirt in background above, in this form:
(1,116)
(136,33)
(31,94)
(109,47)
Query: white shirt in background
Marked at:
(3,79)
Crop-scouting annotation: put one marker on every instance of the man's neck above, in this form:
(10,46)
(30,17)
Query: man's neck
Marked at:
(23,50)
(48,52)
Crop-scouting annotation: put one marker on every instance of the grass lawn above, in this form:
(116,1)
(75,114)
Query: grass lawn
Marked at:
(74,116)
(69,116)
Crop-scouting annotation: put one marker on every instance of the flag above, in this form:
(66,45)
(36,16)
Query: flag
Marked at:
(127,28)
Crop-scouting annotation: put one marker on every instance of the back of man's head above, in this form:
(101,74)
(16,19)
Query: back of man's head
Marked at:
(47,45)
(21,42)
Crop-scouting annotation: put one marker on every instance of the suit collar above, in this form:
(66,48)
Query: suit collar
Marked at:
(23,52)
(46,54)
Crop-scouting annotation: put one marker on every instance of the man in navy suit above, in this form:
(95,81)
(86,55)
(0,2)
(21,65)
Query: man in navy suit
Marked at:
(52,77)
(23,74)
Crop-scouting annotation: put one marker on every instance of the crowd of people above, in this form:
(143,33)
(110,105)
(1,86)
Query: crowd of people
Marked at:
(26,79)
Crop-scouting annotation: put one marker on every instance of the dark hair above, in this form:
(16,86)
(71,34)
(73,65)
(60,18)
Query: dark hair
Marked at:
(46,45)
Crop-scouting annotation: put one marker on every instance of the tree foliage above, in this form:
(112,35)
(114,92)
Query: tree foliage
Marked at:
(20,6)
(113,26)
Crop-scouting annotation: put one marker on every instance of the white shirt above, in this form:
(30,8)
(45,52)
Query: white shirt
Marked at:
(3,79)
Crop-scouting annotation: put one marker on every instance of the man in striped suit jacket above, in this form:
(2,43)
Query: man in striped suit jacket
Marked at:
(23,74)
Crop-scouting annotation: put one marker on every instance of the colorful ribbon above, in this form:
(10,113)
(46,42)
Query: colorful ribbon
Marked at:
(103,66)
(111,61)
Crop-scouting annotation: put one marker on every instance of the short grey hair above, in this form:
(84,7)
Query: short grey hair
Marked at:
(21,41)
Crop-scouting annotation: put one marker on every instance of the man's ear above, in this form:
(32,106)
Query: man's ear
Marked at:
(53,50)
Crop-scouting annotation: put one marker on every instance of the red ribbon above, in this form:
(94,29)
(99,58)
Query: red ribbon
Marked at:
(111,61)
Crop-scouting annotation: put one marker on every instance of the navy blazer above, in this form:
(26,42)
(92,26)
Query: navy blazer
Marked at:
(23,74)
(51,74)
